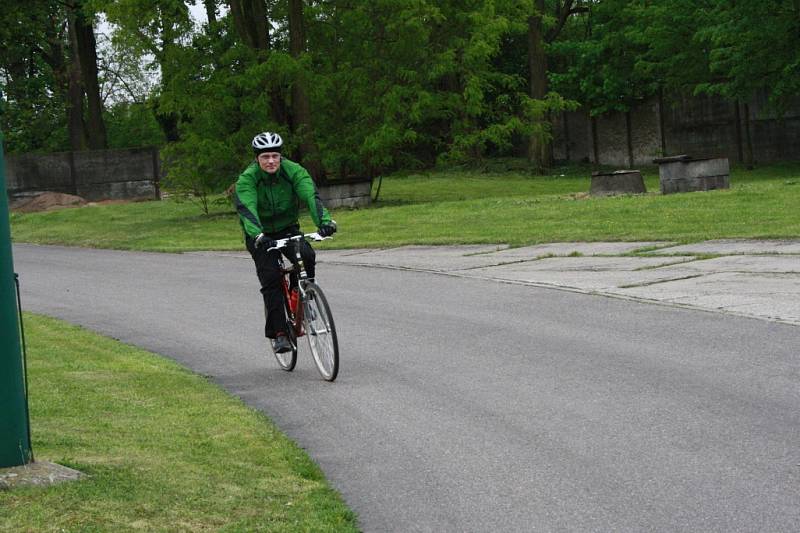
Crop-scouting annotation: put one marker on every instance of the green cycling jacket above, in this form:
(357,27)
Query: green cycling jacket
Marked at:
(270,203)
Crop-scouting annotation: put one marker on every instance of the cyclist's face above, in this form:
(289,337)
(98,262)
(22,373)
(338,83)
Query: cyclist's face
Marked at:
(269,161)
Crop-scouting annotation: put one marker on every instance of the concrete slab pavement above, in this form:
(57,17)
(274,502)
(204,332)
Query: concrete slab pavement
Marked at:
(452,258)
(767,296)
(736,246)
(756,278)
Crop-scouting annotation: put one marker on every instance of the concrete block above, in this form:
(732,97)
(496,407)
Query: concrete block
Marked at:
(681,174)
(618,182)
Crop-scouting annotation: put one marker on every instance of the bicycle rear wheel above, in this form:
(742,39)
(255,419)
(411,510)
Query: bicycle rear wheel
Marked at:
(321,332)
(286,360)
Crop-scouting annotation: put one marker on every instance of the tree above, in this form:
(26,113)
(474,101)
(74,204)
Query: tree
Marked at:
(84,64)
(50,66)
(211,11)
(604,64)
(540,151)
(308,151)
(156,29)
(753,46)
(252,26)
(217,88)
(634,49)
(33,76)
(417,82)
(251,23)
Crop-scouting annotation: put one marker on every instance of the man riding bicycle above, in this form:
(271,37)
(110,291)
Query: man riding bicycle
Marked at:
(267,197)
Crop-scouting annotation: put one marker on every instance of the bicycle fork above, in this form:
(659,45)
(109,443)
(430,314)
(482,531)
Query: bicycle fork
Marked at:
(303,301)
(294,292)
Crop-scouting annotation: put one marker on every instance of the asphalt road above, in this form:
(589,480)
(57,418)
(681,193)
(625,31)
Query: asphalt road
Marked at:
(471,405)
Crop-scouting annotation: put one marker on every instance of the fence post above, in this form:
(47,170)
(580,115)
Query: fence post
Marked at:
(661,131)
(73,179)
(15,446)
(156,172)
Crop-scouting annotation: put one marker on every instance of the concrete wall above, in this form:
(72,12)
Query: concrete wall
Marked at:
(91,174)
(128,174)
(701,126)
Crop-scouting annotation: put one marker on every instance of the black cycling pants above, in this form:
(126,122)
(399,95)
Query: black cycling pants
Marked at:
(269,275)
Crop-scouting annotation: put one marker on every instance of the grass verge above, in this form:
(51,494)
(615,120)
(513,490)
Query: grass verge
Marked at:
(164,449)
(461,208)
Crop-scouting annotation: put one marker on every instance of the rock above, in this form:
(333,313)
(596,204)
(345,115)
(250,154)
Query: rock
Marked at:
(39,473)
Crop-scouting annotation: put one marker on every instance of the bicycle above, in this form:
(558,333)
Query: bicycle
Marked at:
(307,312)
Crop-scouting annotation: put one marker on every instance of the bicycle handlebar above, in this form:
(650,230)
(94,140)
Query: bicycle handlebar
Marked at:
(282,243)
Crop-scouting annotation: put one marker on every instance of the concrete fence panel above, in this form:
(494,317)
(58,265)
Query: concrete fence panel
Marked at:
(91,174)
(701,126)
(350,193)
(573,138)
(612,140)
(39,172)
(105,174)
(645,133)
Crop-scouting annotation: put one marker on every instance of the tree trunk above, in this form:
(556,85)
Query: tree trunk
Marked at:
(168,122)
(540,149)
(301,109)
(252,25)
(748,152)
(75,125)
(87,53)
(240,21)
(211,11)
(259,24)
(250,21)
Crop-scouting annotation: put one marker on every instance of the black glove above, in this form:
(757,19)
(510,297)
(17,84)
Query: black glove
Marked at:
(326,230)
(266,242)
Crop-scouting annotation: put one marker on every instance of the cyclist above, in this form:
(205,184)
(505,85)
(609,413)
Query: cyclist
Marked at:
(267,196)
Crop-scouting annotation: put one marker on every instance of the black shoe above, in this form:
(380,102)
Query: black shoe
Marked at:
(281,344)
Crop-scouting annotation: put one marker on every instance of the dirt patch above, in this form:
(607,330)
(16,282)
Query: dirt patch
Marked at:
(46,201)
(118,202)
(577,196)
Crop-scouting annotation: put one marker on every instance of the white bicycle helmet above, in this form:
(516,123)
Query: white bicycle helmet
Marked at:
(267,142)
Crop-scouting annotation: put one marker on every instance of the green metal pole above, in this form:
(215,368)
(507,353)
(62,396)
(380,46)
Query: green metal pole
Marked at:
(15,446)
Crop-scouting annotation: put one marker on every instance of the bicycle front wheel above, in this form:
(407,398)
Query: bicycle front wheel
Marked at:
(321,332)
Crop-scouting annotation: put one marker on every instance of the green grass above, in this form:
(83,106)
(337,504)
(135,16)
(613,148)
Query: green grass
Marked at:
(163,449)
(462,208)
